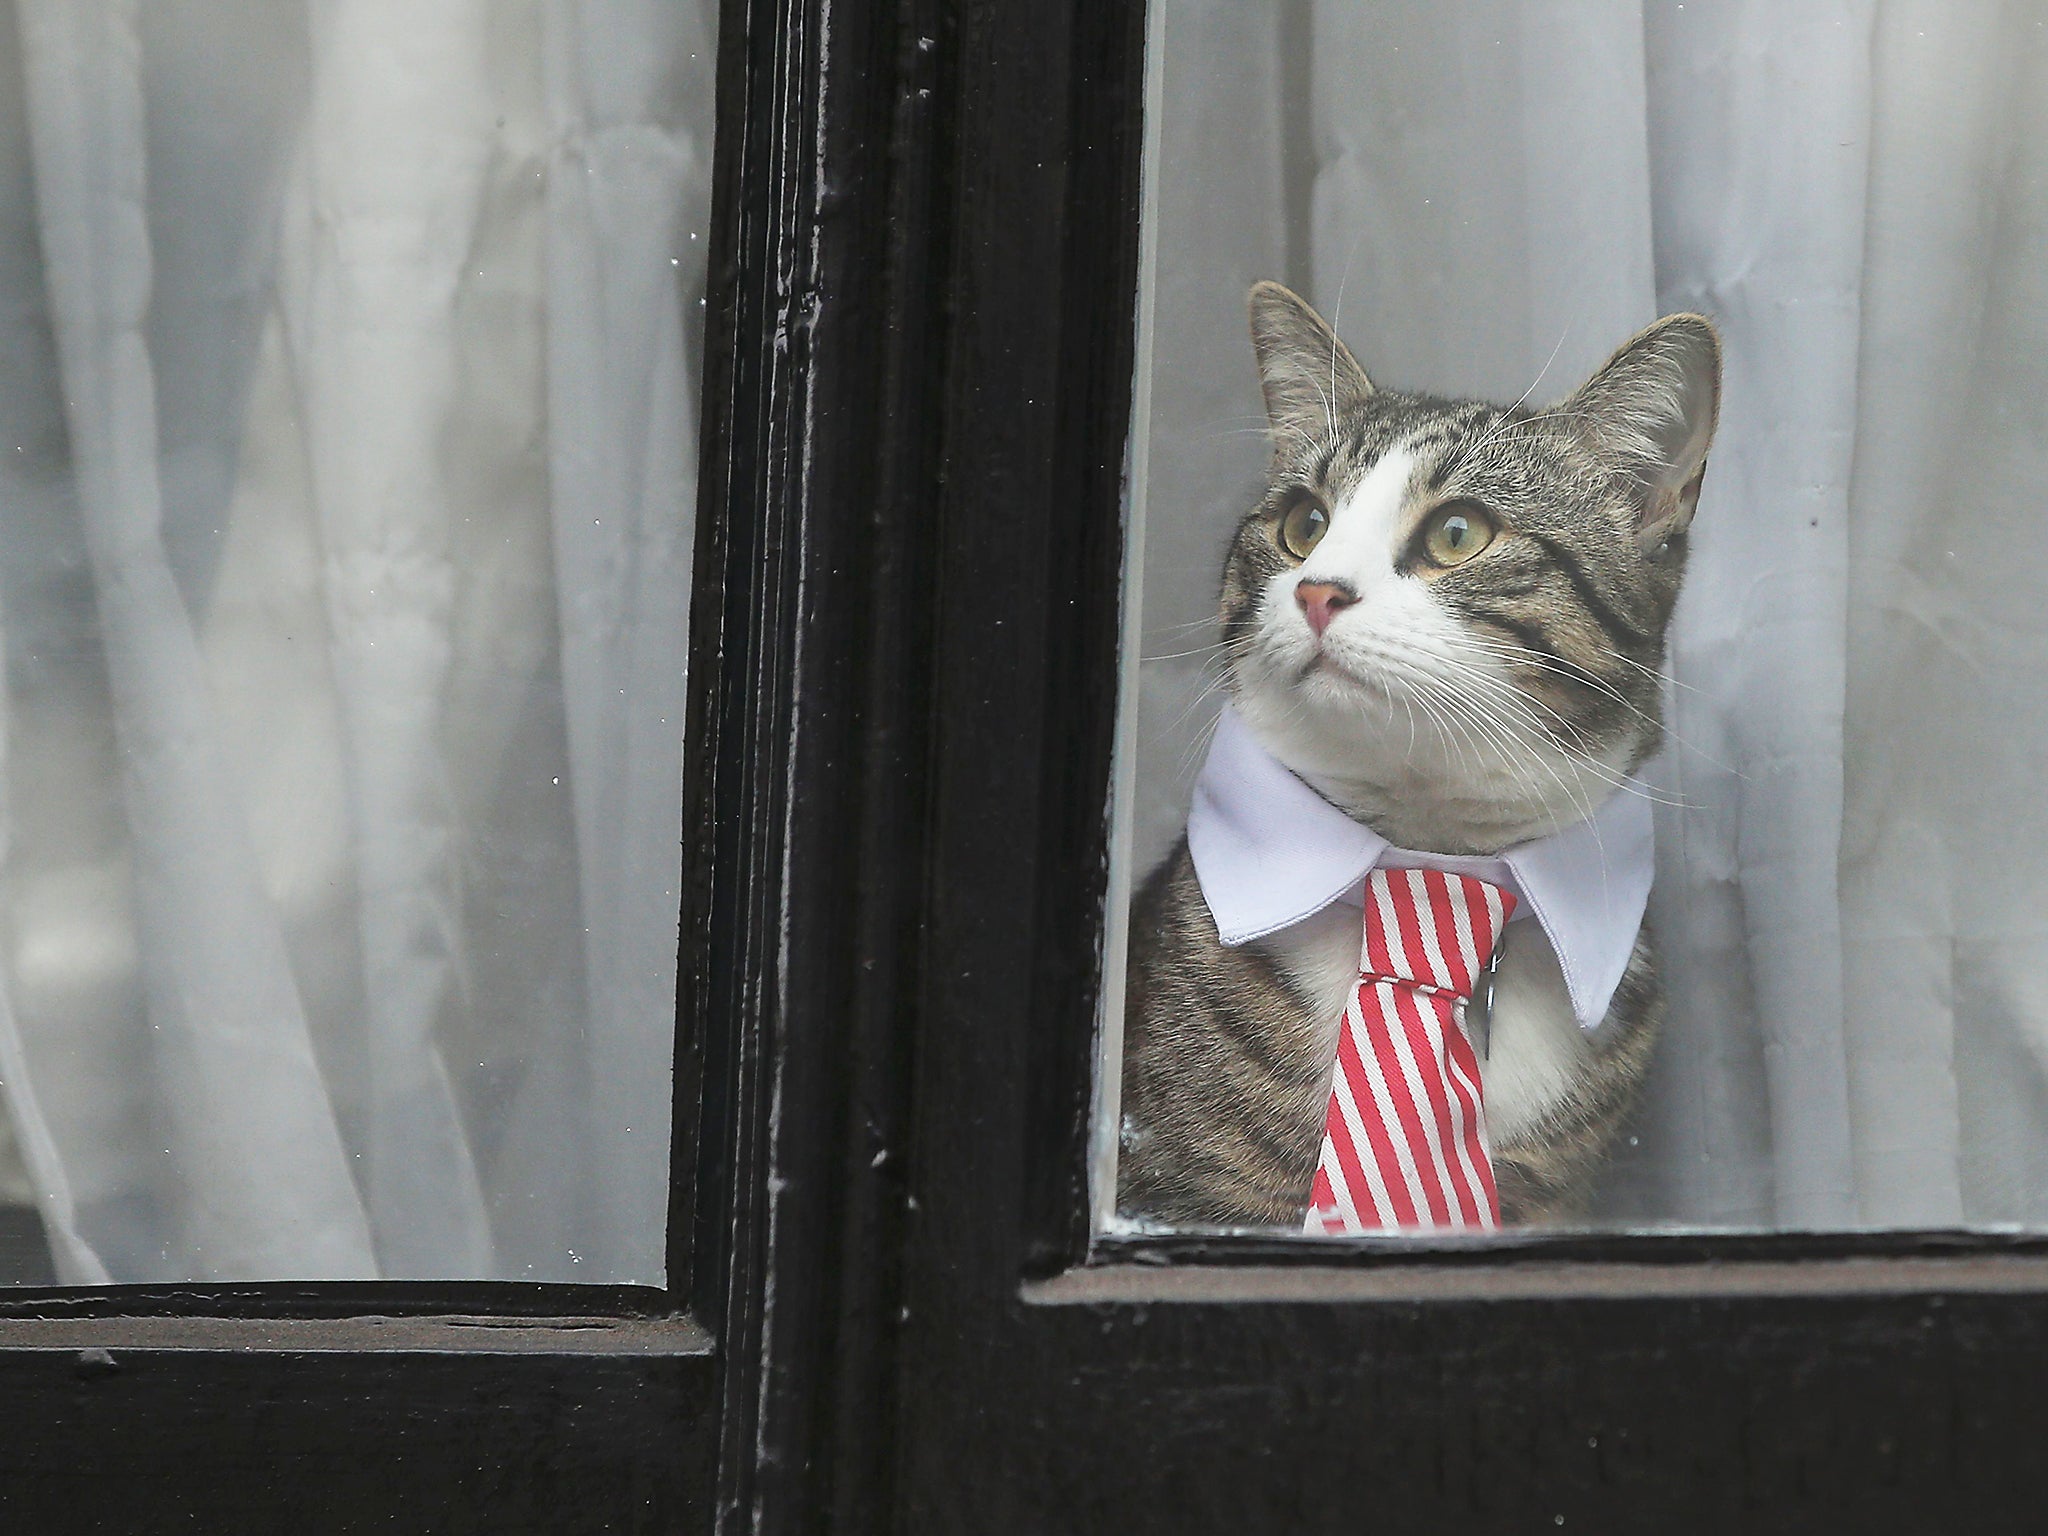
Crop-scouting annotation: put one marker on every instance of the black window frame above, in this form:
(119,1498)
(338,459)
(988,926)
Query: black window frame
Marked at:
(887,1311)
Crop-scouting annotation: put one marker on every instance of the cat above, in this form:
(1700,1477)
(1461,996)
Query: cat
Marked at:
(1477,664)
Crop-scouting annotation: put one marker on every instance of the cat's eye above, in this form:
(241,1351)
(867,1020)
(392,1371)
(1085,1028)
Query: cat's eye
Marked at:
(1454,534)
(1303,525)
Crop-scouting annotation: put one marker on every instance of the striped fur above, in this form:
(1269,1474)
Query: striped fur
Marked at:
(1462,708)
(1226,1068)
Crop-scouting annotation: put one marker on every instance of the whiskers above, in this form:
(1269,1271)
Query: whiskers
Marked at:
(1521,655)
(1212,677)
(1201,650)
(1507,416)
(1658,674)
(1490,718)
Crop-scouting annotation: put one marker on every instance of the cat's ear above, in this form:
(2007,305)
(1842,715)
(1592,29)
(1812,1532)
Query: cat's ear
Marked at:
(1310,377)
(1652,408)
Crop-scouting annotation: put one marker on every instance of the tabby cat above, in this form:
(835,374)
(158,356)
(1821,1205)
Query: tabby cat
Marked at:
(1479,666)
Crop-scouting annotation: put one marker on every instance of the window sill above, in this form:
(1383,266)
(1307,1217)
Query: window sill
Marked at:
(1217,1268)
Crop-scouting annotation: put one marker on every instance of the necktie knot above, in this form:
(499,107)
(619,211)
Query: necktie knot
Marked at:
(1431,929)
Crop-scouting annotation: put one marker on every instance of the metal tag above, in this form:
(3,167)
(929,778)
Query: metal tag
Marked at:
(1479,1007)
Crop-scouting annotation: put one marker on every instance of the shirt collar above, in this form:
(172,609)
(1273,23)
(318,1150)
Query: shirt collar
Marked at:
(1270,852)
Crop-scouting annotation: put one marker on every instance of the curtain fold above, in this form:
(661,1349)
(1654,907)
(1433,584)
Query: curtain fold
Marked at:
(627,218)
(1940,899)
(1759,132)
(1221,207)
(262,1179)
(377,231)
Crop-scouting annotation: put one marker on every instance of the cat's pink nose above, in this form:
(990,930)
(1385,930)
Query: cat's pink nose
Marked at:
(1322,601)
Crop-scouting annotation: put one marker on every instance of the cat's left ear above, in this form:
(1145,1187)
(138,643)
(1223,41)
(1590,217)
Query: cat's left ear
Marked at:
(1311,380)
(1653,407)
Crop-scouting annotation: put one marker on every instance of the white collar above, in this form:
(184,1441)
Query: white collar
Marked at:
(1270,852)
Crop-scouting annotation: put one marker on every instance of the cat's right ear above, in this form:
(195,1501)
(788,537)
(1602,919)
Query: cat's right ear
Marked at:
(1310,377)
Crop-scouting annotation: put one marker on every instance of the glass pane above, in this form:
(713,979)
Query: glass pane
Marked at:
(348,397)
(1395,660)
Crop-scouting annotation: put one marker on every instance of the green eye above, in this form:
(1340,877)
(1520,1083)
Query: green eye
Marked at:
(1454,534)
(1302,526)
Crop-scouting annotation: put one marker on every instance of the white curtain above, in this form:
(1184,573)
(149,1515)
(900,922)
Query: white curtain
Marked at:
(1488,197)
(345,506)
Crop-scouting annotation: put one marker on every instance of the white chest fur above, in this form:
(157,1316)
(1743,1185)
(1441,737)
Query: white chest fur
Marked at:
(1537,1050)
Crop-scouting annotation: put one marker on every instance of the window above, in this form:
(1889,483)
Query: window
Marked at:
(1490,200)
(351,416)
(891,1310)
(352,402)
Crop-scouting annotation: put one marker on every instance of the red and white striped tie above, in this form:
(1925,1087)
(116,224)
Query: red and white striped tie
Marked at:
(1404,1138)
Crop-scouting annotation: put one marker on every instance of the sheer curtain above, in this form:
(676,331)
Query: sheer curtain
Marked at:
(1488,197)
(345,507)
